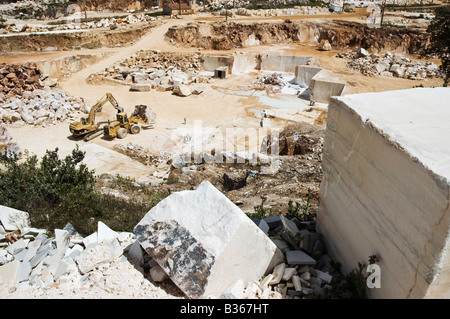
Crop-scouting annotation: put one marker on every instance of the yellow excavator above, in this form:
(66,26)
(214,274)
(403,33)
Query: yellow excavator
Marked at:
(124,124)
(87,127)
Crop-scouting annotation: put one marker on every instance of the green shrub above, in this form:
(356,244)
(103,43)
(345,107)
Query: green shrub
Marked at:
(260,211)
(56,191)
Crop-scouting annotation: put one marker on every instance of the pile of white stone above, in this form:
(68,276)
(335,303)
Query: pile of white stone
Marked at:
(139,153)
(9,9)
(79,24)
(276,83)
(280,12)
(105,264)
(306,269)
(147,70)
(390,65)
(169,247)
(41,107)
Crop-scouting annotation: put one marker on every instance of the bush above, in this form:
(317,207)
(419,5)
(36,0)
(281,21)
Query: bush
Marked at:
(56,191)
(439,31)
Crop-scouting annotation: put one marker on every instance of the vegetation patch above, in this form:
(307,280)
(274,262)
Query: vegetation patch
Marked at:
(57,191)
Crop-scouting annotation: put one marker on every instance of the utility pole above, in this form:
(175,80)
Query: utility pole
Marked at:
(179,7)
(85,13)
(226,12)
(383,5)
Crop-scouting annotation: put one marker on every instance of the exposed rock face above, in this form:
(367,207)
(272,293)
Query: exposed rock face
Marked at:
(385,187)
(204,242)
(296,139)
(339,34)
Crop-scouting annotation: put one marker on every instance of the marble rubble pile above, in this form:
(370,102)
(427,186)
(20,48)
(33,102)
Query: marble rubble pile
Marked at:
(28,96)
(139,153)
(305,271)
(208,249)
(242,8)
(23,9)
(77,23)
(275,83)
(67,265)
(42,107)
(372,64)
(162,71)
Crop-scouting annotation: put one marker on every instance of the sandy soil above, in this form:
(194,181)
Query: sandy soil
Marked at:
(213,109)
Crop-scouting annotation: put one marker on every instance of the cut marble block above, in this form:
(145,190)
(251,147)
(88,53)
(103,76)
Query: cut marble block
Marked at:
(385,188)
(205,243)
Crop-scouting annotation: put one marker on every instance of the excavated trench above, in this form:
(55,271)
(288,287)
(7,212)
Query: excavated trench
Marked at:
(83,39)
(340,34)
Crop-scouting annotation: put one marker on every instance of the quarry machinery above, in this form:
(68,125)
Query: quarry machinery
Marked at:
(87,127)
(141,117)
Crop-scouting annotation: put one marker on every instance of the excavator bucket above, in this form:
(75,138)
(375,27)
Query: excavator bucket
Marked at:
(145,113)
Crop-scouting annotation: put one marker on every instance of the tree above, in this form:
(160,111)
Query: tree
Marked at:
(439,30)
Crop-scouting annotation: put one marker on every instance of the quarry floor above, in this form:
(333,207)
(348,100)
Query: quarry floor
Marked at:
(213,109)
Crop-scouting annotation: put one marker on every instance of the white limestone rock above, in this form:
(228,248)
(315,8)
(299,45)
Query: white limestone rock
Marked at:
(16,247)
(182,90)
(104,233)
(235,291)
(135,252)
(62,240)
(298,257)
(386,189)
(13,219)
(278,272)
(204,242)
(98,254)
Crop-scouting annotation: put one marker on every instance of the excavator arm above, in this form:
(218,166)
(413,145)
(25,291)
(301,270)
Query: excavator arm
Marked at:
(90,120)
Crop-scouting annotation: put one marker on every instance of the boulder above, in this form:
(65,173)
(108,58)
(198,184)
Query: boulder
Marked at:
(362,52)
(140,87)
(197,90)
(205,243)
(324,45)
(182,90)
(96,255)
(13,219)
(397,70)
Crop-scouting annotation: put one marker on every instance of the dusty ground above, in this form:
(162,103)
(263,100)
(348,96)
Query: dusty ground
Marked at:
(213,109)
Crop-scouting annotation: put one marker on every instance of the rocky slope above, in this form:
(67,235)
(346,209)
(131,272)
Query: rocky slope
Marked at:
(339,34)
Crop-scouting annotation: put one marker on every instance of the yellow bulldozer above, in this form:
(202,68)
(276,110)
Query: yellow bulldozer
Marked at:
(87,127)
(141,117)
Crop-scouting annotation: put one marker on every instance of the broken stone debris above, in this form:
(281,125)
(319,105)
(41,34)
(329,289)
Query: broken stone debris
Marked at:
(37,264)
(390,65)
(324,45)
(163,71)
(26,96)
(34,9)
(276,83)
(192,249)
